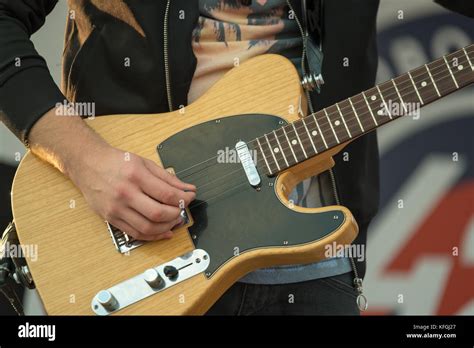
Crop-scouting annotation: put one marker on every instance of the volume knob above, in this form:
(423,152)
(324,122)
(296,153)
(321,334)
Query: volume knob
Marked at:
(107,300)
(152,278)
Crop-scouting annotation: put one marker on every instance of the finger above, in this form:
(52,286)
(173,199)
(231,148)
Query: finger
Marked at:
(125,227)
(167,177)
(163,192)
(153,210)
(145,226)
(129,230)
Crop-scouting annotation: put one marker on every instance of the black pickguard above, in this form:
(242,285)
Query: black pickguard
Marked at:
(234,217)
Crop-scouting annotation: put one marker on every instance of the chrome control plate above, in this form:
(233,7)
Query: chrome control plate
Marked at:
(142,285)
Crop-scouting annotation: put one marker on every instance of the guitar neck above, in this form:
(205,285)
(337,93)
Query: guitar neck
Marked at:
(364,112)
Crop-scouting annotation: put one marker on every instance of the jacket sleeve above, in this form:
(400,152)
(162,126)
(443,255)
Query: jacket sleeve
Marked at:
(27,90)
(464,7)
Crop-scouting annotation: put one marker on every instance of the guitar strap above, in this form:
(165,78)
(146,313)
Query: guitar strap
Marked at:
(313,53)
(319,24)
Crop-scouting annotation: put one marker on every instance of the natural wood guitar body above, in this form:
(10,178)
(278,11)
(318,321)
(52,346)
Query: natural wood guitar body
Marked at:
(75,254)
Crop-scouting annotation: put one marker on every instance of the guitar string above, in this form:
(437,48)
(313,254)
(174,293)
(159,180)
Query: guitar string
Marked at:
(193,206)
(242,182)
(353,122)
(238,170)
(259,166)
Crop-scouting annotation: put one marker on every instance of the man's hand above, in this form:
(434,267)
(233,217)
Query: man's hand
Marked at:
(132,193)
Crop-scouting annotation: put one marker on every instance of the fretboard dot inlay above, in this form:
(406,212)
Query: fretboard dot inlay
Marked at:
(373,97)
(337,123)
(294,141)
(423,84)
(460,67)
(314,133)
(276,149)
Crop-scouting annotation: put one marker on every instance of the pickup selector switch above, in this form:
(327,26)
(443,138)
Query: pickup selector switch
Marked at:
(171,272)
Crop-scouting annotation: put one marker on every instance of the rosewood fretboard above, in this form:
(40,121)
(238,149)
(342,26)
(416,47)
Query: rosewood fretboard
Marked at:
(362,113)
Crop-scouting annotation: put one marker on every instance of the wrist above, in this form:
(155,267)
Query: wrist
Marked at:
(67,143)
(86,157)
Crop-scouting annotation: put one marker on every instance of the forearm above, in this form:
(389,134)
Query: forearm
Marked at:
(64,141)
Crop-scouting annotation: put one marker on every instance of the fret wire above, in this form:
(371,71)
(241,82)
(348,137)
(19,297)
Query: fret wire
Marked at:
(286,149)
(356,115)
(460,69)
(264,157)
(393,102)
(317,138)
(468,59)
(342,117)
(319,129)
(271,151)
(289,144)
(432,80)
(309,136)
(408,91)
(449,68)
(425,87)
(399,96)
(364,113)
(299,140)
(416,89)
(306,141)
(281,149)
(445,85)
(370,109)
(384,103)
(330,124)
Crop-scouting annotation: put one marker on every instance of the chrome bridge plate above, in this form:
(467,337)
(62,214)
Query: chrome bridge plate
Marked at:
(150,282)
(123,242)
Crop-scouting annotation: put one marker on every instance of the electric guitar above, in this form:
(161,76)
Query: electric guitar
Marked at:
(245,147)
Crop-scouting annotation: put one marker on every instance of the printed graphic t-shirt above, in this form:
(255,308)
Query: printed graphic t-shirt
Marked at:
(228,33)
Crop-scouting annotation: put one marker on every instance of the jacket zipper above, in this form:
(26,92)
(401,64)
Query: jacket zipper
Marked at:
(165,56)
(361,300)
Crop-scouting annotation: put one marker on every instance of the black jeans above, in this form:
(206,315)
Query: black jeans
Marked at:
(326,296)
